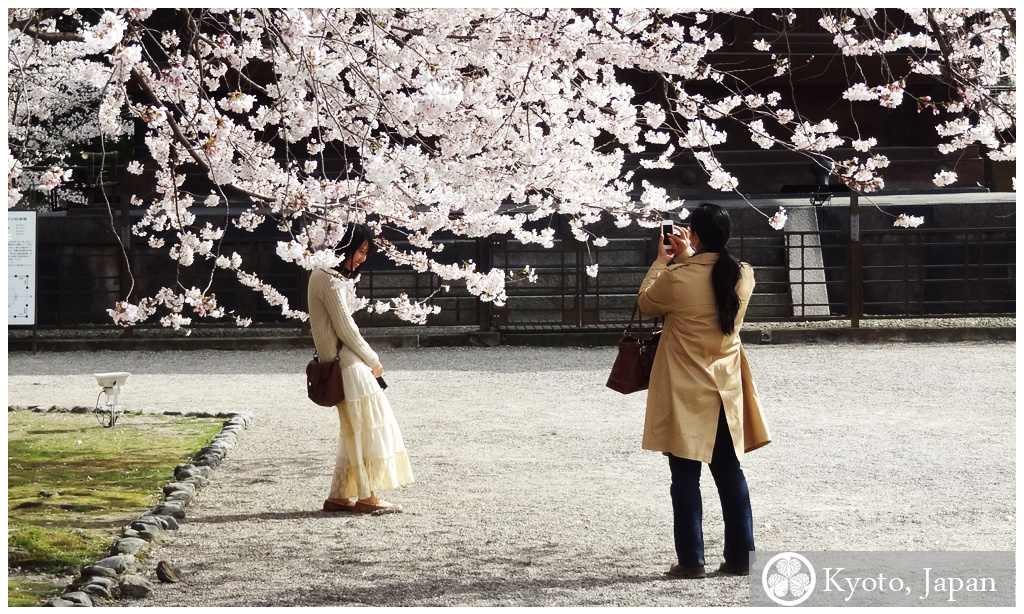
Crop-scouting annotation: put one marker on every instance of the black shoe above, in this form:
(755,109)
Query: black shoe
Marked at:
(734,570)
(686,571)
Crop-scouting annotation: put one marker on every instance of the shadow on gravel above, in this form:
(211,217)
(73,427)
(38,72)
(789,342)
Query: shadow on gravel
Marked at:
(435,591)
(298,515)
(503,359)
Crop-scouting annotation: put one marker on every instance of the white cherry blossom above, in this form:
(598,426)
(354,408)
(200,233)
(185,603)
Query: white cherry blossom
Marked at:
(466,122)
(908,221)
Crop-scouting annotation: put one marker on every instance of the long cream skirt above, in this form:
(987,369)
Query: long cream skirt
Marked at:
(371,453)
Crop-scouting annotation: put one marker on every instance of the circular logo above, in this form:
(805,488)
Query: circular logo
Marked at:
(788,578)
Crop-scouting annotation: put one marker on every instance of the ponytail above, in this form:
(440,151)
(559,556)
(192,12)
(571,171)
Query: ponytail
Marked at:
(724,277)
(712,225)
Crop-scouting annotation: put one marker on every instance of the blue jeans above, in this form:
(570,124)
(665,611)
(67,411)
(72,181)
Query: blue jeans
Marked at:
(732,491)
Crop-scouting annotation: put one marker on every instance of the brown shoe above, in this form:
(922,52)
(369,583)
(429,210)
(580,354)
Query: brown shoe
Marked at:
(734,570)
(686,571)
(338,506)
(381,507)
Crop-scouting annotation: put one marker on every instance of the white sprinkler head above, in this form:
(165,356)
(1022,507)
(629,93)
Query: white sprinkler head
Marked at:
(111,380)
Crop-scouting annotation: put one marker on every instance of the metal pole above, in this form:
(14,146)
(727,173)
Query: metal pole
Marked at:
(302,283)
(580,294)
(855,272)
(486,247)
(35,291)
(126,267)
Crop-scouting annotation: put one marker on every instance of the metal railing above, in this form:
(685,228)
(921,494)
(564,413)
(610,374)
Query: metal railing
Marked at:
(800,276)
(925,272)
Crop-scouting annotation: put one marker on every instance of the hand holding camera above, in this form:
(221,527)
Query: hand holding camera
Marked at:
(674,240)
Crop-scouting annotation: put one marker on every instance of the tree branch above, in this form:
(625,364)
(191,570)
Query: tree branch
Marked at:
(138,79)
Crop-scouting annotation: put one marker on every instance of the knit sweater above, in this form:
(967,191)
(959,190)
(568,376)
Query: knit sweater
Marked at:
(330,319)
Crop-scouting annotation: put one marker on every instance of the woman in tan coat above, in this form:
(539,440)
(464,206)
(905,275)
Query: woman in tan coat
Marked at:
(702,404)
(371,452)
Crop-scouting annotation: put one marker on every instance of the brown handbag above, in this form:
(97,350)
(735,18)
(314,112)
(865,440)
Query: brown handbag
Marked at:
(324,383)
(631,371)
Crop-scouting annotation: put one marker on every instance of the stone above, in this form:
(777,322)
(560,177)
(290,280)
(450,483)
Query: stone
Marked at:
(119,564)
(77,598)
(186,471)
(129,545)
(180,496)
(78,409)
(171,508)
(98,586)
(151,526)
(136,587)
(129,532)
(150,531)
(160,521)
(210,460)
(172,486)
(185,474)
(210,450)
(147,519)
(157,538)
(197,480)
(15,554)
(168,523)
(166,572)
(57,602)
(95,570)
(179,487)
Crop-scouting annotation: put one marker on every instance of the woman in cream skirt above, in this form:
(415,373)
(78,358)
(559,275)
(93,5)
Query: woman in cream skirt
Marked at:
(371,453)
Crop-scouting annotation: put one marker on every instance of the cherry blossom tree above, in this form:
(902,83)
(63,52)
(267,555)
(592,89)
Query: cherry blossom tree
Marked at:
(468,122)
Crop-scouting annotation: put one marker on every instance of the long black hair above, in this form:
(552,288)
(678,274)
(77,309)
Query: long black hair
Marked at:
(713,227)
(354,237)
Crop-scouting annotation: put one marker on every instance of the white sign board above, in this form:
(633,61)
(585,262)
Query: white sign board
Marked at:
(21,268)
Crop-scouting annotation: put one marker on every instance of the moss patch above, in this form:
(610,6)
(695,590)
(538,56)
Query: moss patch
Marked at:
(72,485)
(33,592)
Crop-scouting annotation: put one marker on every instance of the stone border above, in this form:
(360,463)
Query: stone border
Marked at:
(115,576)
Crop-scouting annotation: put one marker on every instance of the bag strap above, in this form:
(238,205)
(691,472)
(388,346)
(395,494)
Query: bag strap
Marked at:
(316,355)
(632,318)
(640,326)
(640,322)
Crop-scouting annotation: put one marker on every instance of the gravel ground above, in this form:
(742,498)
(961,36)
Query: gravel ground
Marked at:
(532,489)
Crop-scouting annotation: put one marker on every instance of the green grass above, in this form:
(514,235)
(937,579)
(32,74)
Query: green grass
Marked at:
(72,485)
(31,593)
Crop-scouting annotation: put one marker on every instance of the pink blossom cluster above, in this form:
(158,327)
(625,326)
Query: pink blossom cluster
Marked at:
(778,221)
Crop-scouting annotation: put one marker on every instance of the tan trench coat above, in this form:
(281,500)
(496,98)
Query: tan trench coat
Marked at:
(697,369)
